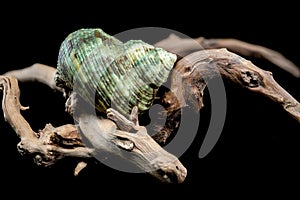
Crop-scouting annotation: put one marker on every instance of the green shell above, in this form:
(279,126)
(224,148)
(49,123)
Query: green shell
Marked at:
(106,72)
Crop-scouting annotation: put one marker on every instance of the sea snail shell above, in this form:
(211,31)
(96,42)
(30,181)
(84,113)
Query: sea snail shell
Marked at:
(106,71)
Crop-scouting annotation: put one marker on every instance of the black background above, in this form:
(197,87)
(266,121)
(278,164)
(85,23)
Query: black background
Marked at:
(258,151)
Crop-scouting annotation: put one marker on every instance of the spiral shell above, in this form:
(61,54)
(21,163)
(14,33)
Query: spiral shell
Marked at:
(106,72)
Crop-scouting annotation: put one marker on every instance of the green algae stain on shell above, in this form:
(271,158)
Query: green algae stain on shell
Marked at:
(106,72)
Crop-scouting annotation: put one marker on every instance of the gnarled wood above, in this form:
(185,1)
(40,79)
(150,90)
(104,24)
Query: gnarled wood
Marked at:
(119,136)
(52,144)
(197,68)
(193,72)
(37,72)
(185,46)
(48,145)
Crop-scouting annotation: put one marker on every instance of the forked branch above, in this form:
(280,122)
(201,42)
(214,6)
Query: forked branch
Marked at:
(199,67)
(46,146)
(52,144)
(189,78)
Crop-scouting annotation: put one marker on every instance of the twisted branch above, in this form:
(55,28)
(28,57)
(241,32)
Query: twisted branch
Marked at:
(52,144)
(185,46)
(188,82)
(46,146)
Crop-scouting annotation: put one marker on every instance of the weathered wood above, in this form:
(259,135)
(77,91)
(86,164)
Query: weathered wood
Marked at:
(52,144)
(37,72)
(193,72)
(185,46)
(135,146)
(124,137)
(197,68)
(48,145)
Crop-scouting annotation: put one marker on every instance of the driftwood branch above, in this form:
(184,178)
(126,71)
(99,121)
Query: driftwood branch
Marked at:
(199,67)
(37,72)
(193,72)
(124,138)
(52,144)
(185,46)
(46,146)
(135,147)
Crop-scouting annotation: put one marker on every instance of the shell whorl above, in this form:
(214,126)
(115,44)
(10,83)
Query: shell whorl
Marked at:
(106,72)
